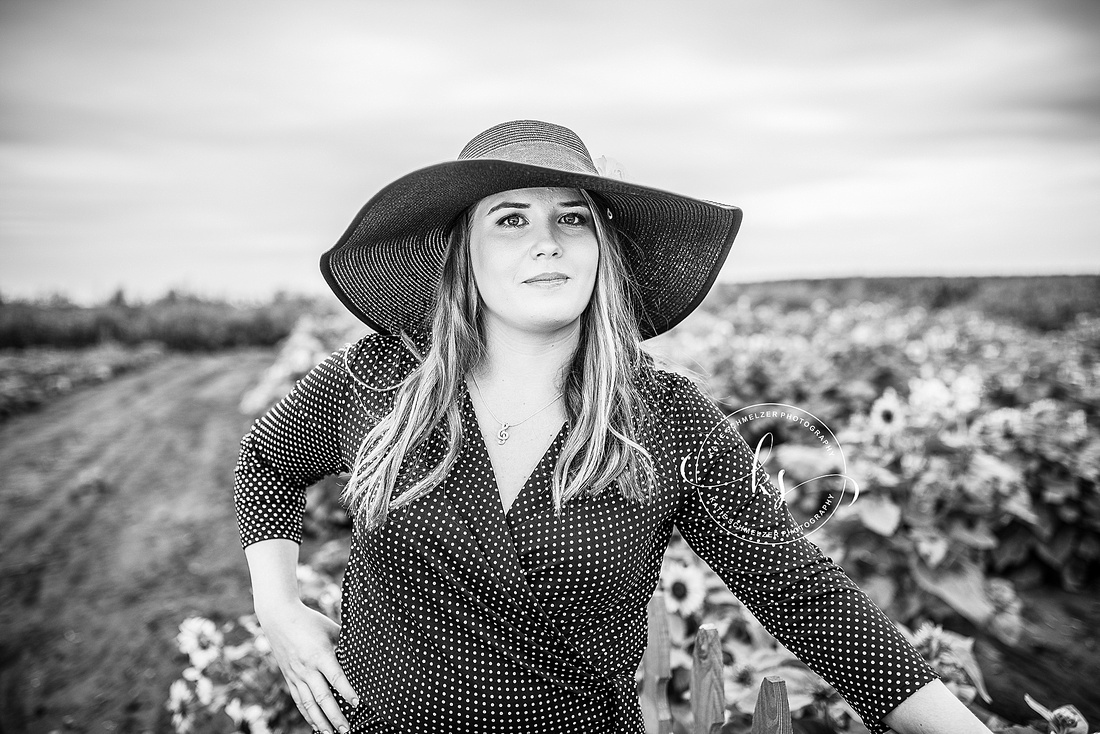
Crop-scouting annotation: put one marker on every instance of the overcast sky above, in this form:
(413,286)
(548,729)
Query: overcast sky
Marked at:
(219,146)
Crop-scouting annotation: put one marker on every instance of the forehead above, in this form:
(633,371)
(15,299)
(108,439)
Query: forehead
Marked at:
(549,196)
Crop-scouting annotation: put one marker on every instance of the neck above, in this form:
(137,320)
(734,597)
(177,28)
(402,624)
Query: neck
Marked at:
(534,363)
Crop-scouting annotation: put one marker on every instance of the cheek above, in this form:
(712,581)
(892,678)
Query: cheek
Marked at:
(477,264)
(592,260)
(489,266)
(480,256)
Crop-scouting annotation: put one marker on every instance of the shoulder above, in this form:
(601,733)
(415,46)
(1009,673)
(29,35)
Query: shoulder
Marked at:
(670,395)
(682,415)
(381,361)
(375,366)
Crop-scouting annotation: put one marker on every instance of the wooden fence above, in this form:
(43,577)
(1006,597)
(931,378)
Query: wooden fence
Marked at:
(708,701)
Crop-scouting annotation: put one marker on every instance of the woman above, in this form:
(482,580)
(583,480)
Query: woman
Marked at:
(517,464)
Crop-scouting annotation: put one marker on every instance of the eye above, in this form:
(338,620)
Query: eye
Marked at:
(574,219)
(512,220)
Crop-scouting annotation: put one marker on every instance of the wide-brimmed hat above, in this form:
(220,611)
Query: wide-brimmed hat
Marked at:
(387,266)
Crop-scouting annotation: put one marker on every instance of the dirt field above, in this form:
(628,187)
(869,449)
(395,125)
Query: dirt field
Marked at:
(116,523)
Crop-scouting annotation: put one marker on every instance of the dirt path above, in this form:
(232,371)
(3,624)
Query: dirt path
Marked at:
(116,523)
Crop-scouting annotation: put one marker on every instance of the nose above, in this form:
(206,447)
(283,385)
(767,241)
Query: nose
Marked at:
(546,244)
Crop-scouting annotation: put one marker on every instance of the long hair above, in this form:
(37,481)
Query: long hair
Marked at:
(602,399)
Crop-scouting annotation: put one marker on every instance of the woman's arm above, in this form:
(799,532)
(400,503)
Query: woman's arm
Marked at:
(933,710)
(301,639)
(273,566)
(746,534)
(291,446)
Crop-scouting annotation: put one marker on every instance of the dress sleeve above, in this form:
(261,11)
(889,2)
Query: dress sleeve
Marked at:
(291,446)
(754,544)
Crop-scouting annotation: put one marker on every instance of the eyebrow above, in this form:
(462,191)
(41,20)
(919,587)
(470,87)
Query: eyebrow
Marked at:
(509,205)
(520,205)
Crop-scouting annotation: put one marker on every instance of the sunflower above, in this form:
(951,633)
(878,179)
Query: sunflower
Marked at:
(685,588)
(742,680)
(887,414)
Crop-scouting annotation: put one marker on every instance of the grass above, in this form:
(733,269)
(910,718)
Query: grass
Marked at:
(1044,303)
(179,322)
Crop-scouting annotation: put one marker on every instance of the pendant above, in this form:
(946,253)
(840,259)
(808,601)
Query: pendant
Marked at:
(502,434)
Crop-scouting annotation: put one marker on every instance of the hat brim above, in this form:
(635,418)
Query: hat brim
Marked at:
(386,266)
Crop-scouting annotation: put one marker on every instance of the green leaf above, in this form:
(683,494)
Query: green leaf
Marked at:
(931,545)
(1060,548)
(1008,626)
(979,536)
(962,589)
(1089,548)
(1058,490)
(879,514)
(1014,548)
(882,589)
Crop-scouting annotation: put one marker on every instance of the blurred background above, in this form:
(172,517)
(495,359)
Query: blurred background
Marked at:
(919,267)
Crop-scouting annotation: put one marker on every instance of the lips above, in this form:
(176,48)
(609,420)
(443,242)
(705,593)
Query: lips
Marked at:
(548,278)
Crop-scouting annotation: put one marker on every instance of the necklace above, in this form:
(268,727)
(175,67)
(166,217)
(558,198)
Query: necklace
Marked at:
(502,434)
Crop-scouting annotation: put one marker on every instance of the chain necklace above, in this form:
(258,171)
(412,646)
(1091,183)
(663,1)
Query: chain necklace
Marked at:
(502,434)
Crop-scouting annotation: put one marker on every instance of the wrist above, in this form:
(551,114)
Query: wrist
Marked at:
(268,602)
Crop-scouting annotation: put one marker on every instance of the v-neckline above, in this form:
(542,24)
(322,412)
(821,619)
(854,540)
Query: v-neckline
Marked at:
(483,447)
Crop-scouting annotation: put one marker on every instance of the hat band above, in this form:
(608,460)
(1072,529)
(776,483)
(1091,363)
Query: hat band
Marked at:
(541,153)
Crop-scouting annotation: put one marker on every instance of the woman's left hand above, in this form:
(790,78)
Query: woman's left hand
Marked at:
(302,642)
(934,710)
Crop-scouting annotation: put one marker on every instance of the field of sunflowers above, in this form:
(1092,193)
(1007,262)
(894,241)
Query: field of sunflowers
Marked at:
(965,487)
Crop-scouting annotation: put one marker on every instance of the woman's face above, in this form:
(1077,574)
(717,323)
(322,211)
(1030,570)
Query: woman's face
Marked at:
(534,256)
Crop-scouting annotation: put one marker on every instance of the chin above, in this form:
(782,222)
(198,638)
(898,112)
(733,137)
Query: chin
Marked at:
(544,324)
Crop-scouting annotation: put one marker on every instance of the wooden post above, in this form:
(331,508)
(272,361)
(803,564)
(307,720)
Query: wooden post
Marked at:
(708,695)
(655,671)
(773,711)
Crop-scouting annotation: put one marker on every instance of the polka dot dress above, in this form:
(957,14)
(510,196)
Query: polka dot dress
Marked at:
(460,617)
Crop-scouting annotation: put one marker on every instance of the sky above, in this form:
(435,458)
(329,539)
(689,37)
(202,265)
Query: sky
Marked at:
(220,146)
